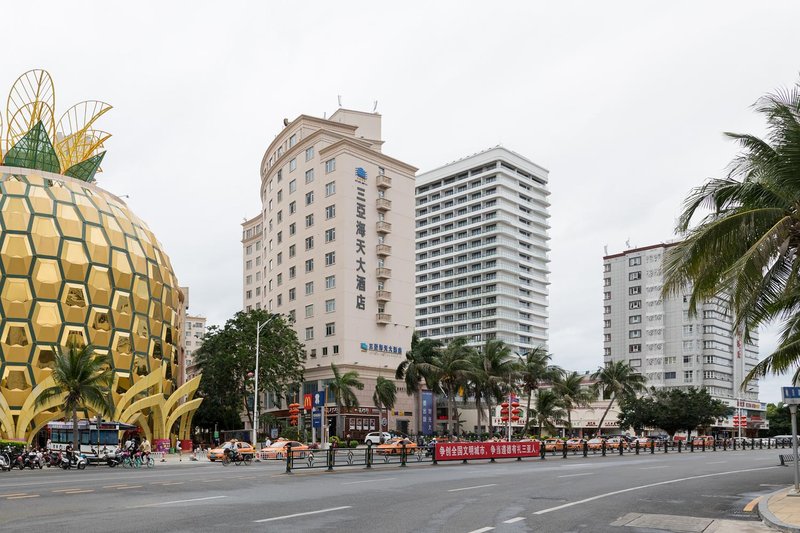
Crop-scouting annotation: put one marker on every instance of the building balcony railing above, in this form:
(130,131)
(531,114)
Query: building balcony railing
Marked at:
(383,249)
(383,296)
(382,226)
(383,273)
(383,318)
(383,204)
(383,181)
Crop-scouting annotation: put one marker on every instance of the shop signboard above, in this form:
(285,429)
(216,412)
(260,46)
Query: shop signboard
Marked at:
(454,451)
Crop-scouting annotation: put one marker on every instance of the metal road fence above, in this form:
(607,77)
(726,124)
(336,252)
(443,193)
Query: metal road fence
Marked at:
(403,456)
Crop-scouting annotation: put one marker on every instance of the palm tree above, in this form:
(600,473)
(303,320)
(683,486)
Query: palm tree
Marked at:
(385,395)
(84,378)
(342,387)
(747,250)
(549,410)
(535,369)
(500,368)
(569,388)
(422,351)
(617,379)
(449,369)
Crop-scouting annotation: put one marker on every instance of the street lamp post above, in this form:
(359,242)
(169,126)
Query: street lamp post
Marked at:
(259,327)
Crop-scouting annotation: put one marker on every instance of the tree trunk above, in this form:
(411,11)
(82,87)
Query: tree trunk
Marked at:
(600,425)
(528,410)
(569,421)
(75,444)
(478,408)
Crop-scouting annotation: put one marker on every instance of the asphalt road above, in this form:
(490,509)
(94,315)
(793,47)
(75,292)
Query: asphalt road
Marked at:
(554,495)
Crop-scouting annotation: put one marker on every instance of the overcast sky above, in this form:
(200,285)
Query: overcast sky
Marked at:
(624,102)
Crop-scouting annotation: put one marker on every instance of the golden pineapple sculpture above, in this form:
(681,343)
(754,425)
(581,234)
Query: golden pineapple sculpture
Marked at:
(76,265)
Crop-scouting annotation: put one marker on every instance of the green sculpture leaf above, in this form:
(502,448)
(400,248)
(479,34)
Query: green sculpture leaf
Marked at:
(34,151)
(85,170)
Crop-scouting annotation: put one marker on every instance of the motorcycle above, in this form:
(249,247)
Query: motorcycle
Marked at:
(76,461)
(33,460)
(112,458)
(51,458)
(5,462)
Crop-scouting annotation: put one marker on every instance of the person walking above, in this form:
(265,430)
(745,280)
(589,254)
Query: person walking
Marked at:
(178,450)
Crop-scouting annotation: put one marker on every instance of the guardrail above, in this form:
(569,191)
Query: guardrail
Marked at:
(366,457)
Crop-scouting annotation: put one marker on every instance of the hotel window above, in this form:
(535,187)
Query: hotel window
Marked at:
(335,349)
(280,237)
(292,250)
(330,282)
(634,261)
(309,243)
(280,280)
(249,294)
(330,306)
(330,235)
(633,276)
(292,272)
(606,282)
(309,265)
(292,208)
(309,334)
(330,188)
(607,352)
(330,212)
(292,228)
(330,258)
(249,280)
(248,265)
(607,295)
(280,196)
(330,329)
(606,309)
(292,186)
(688,376)
(607,267)
(309,220)
(669,375)
(309,288)
(635,290)
(280,300)
(292,294)
(309,197)
(635,304)
(309,153)
(607,323)
(292,165)
(292,316)
(309,310)
(270,204)
(249,249)
(280,258)
(330,165)
(309,175)
(292,140)
(635,334)
(635,319)
(607,337)
(324,350)
(635,348)
(280,216)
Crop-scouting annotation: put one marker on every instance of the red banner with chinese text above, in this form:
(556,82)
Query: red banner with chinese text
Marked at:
(452,451)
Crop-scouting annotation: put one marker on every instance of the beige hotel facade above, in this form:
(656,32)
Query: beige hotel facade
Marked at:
(333,249)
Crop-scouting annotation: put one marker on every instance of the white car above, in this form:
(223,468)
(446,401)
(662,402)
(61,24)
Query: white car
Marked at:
(375,437)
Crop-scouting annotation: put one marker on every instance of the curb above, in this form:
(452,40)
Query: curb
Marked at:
(770,519)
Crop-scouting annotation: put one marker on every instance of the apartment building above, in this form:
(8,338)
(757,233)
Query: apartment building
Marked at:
(482,250)
(659,338)
(331,250)
(195,330)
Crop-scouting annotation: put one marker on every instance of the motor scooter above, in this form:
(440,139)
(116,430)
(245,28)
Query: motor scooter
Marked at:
(76,461)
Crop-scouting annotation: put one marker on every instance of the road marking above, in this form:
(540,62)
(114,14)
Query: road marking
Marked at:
(13,494)
(130,487)
(576,475)
(66,490)
(475,487)
(653,467)
(640,487)
(369,481)
(115,486)
(481,530)
(750,506)
(184,501)
(514,520)
(78,491)
(165,483)
(716,462)
(302,514)
(21,497)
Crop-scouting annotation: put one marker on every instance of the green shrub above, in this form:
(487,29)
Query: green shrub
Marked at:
(354,444)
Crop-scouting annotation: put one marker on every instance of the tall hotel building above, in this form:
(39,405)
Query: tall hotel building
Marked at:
(659,338)
(331,249)
(482,250)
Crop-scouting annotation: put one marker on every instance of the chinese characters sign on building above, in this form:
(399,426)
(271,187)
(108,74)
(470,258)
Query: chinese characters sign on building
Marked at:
(377,347)
(361,234)
(427,412)
(452,451)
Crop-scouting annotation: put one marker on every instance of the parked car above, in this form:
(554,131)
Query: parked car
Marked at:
(701,439)
(613,443)
(395,447)
(575,444)
(553,445)
(277,450)
(783,440)
(375,437)
(244,448)
(595,443)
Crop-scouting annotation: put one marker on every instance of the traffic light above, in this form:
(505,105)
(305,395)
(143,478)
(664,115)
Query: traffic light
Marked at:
(294,412)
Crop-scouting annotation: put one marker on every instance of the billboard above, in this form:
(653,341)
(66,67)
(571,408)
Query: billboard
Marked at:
(427,412)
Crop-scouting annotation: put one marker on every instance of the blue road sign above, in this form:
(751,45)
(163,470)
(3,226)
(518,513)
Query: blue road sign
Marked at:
(319,398)
(791,395)
(316,418)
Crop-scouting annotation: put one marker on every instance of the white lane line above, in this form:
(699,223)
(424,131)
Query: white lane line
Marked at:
(78,491)
(475,487)
(302,514)
(481,530)
(576,475)
(22,497)
(369,481)
(653,467)
(640,487)
(514,520)
(115,486)
(184,501)
(129,487)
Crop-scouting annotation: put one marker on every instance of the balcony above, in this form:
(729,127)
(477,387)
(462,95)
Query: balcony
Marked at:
(383,204)
(383,250)
(383,318)
(383,296)
(382,226)
(383,182)
(383,273)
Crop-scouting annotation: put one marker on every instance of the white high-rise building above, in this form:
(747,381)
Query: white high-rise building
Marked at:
(482,250)
(658,337)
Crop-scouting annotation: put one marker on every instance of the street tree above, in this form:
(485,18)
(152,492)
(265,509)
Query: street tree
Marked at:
(83,380)
(747,249)
(779,418)
(449,369)
(614,380)
(535,368)
(672,410)
(343,387)
(493,369)
(409,370)
(385,396)
(573,393)
(226,361)
(549,411)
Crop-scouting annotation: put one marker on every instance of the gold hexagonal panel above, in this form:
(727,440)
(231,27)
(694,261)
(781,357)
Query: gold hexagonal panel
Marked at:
(17,298)
(16,254)
(45,235)
(74,262)
(46,278)
(99,285)
(46,321)
(16,214)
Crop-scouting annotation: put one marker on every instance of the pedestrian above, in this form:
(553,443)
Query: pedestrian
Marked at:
(49,444)
(178,450)
(267,443)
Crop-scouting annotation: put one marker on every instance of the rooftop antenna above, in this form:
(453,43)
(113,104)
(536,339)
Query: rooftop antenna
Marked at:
(339,96)
(605,249)
(628,243)
(375,107)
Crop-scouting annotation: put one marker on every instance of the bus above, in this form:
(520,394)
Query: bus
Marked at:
(90,437)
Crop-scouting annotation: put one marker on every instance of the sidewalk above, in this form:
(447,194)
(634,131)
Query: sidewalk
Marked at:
(781,511)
